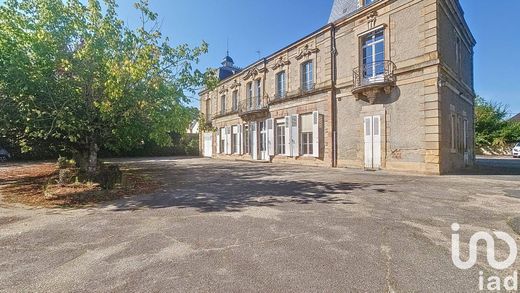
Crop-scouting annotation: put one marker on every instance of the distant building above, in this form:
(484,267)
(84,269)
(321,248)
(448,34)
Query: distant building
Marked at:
(193,128)
(516,118)
(386,84)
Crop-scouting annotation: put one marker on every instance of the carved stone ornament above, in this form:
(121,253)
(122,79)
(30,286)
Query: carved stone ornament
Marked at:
(280,62)
(306,51)
(235,84)
(222,90)
(372,19)
(253,72)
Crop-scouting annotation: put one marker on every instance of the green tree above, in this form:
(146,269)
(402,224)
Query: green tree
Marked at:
(74,76)
(492,128)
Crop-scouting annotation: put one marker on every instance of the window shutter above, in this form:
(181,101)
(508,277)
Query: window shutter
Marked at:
(253,142)
(295,136)
(228,139)
(288,136)
(316,134)
(239,135)
(218,142)
(270,136)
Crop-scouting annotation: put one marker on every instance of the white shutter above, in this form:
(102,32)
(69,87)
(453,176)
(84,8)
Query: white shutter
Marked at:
(218,141)
(254,139)
(295,135)
(228,140)
(270,136)
(288,136)
(239,135)
(315,134)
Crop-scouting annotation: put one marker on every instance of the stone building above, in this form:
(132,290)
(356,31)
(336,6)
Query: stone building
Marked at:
(386,84)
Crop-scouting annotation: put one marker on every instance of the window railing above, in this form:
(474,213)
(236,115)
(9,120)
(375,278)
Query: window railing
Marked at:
(380,72)
(307,86)
(252,105)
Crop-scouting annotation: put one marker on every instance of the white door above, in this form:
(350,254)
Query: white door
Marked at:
(372,126)
(253,134)
(208,145)
(263,141)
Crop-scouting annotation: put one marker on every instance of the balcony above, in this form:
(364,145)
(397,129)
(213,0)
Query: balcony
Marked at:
(253,109)
(372,79)
(226,112)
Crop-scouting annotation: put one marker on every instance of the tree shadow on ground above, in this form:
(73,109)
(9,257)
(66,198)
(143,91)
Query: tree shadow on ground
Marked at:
(492,166)
(222,187)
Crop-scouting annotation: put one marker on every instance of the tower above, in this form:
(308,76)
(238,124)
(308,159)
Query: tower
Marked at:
(342,8)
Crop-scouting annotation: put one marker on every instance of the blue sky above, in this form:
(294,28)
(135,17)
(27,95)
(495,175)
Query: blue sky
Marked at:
(269,25)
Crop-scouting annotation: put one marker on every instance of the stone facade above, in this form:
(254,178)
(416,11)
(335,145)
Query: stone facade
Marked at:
(391,87)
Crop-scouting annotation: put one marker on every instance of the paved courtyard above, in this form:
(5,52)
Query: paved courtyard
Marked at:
(238,226)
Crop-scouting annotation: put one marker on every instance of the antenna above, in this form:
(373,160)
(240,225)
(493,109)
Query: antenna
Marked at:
(227,47)
(259,54)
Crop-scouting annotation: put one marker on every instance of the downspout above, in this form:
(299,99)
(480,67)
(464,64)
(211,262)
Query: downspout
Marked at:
(334,101)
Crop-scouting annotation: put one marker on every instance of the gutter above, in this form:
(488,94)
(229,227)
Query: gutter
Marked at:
(334,101)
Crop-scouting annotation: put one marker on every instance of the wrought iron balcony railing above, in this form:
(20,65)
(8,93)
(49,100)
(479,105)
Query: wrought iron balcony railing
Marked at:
(254,104)
(375,73)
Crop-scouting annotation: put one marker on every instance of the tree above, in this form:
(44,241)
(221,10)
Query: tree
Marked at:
(74,76)
(492,128)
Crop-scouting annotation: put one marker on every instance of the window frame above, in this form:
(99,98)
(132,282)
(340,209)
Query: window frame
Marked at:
(280,139)
(223,104)
(369,40)
(235,99)
(281,91)
(307,75)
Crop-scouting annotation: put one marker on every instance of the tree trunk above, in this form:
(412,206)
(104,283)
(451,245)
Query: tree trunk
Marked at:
(92,161)
(87,160)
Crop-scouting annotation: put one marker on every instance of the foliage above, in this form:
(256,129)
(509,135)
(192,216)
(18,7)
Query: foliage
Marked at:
(76,78)
(492,128)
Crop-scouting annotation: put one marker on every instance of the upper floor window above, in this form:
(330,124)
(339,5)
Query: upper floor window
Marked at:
(235,101)
(307,76)
(368,2)
(208,109)
(223,104)
(280,84)
(249,88)
(258,87)
(373,46)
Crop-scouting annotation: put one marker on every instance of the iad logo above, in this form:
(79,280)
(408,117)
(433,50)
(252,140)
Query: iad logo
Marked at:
(494,283)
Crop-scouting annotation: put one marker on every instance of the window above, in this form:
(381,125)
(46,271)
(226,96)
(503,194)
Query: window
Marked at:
(458,55)
(258,87)
(263,136)
(280,137)
(280,84)
(306,135)
(249,94)
(368,2)
(208,109)
(246,139)
(223,104)
(453,119)
(234,140)
(373,47)
(235,101)
(307,76)
(222,140)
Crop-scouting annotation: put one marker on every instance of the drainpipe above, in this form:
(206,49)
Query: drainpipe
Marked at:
(334,101)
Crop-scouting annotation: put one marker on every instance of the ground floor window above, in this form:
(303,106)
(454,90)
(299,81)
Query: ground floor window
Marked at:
(306,139)
(246,139)
(280,137)
(263,137)
(222,140)
(234,139)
